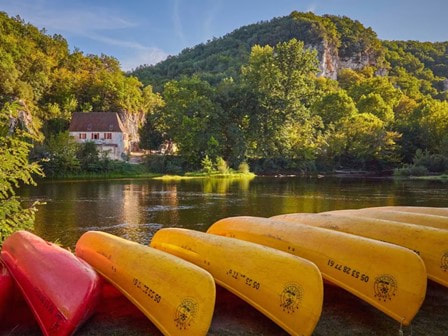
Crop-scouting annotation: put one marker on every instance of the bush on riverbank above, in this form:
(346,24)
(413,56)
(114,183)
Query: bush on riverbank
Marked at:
(424,163)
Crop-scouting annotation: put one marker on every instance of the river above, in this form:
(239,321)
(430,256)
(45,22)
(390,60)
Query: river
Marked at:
(136,208)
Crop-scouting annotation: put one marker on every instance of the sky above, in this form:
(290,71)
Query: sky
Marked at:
(147,31)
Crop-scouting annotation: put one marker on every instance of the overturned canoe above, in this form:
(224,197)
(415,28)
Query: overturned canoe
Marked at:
(389,277)
(439,222)
(61,290)
(6,288)
(177,296)
(285,288)
(430,243)
(416,209)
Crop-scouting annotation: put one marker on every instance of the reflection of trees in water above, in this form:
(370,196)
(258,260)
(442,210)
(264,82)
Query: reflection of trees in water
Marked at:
(136,209)
(221,185)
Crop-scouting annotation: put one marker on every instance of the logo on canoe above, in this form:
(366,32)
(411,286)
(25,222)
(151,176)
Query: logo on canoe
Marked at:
(444,262)
(385,287)
(291,297)
(185,313)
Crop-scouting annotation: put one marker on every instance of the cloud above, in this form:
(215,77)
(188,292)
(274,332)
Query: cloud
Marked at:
(210,18)
(177,22)
(72,20)
(311,7)
(148,56)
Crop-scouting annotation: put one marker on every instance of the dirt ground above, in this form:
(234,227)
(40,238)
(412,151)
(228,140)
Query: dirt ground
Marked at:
(343,315)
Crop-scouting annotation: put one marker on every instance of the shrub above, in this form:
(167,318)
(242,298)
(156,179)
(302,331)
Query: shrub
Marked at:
(221,165)
(411,170)
(435,163)
(207,165)
(244,168)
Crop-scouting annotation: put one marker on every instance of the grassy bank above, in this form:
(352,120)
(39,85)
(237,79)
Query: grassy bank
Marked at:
(116,171)
(126,170)
(443,177)
(197,175)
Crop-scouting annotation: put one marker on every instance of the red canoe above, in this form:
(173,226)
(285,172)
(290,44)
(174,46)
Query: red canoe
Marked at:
(61,290)
(6,290)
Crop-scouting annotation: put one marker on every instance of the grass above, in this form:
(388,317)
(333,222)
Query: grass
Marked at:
(122,170)
(197,175)
(117,170)
(443,177)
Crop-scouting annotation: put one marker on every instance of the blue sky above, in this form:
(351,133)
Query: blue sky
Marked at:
(146,31)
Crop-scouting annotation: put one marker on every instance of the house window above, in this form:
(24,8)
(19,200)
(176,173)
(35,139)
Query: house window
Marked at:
(82,136)
(108,136)
(95,136)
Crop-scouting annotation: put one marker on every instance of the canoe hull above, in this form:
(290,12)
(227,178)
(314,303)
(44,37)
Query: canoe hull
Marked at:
(389,277)
(177,296)
(61,290)
(6,290)
(285,288)
(429,243)
(430,220)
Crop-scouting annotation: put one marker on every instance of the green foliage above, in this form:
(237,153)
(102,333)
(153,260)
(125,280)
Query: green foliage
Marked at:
(168,164)
(88,157)
(334,106)
(60,155)
(435,163)
(207,165)
(221,165)
(373,103)
(362,141)
(281,82)
(410,170)
(15,169)
(223,57)
(244,168)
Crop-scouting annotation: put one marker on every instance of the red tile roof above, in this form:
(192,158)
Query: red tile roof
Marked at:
(96,122)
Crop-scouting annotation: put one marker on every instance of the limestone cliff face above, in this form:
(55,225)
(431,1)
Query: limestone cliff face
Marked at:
(133,122)
(23,118)
(330,63)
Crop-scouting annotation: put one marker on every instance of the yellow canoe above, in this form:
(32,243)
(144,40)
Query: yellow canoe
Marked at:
(439,222)
(389,277)
(285,288)
(415,209)
(430,243)
(177,296)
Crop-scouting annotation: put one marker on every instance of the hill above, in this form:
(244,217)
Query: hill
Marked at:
(340,41)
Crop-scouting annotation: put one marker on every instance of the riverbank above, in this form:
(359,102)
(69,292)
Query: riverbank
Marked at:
(199,175)
(443,177)
(140,171)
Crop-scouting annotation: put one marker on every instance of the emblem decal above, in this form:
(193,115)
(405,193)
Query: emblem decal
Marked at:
(185,313)
(385,287)
(291,297)
(444,262)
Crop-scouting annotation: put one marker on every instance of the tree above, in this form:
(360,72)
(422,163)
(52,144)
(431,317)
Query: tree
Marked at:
(189,118)
(282,84)
(60,155)
(362,140)
(434,123)
(14,169)
(373,103)
(334,106)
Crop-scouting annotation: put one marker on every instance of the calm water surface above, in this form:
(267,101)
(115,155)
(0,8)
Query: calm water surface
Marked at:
(136,209)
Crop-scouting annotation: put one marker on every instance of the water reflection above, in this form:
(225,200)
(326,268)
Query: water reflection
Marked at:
(136,209)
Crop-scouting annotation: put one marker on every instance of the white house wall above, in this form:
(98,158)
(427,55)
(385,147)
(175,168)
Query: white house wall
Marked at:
(103,144)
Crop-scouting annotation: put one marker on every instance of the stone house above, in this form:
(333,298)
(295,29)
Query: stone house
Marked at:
(105,129)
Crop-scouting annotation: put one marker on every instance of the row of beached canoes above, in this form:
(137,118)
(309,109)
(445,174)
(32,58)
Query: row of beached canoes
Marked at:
(382,255)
